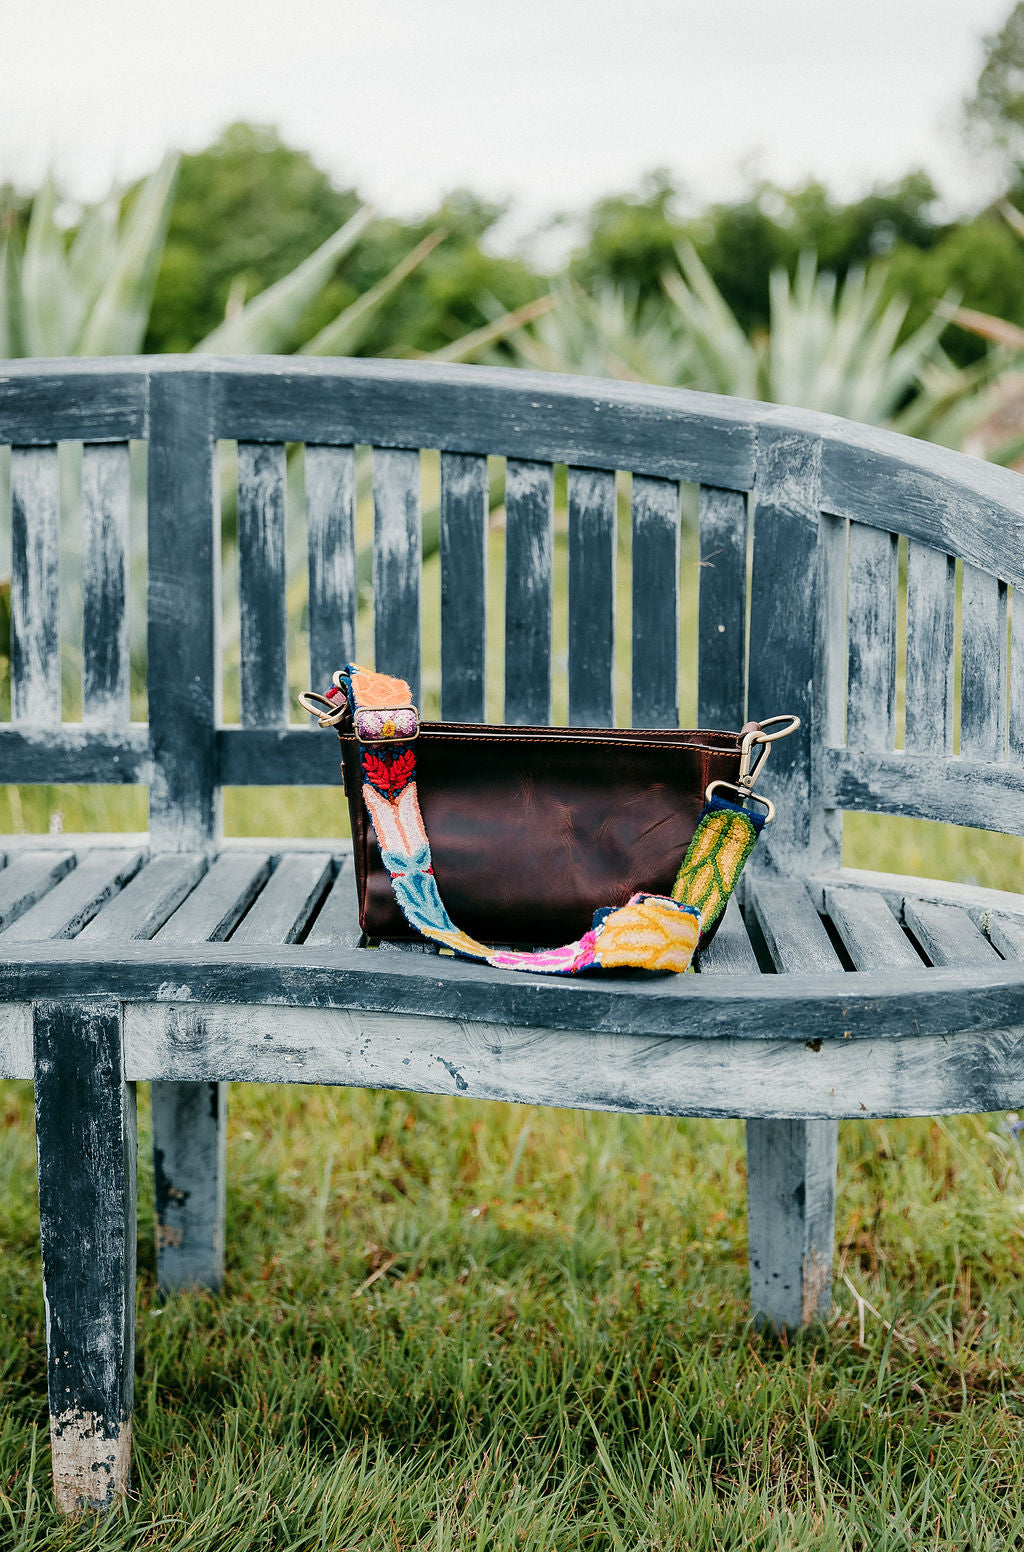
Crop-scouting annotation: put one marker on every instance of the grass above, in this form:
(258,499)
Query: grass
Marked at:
(459,1325)
(450,1324)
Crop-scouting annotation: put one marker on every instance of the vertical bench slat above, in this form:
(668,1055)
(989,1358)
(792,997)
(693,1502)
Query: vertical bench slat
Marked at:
(529,549)
(397,549)
(871,607)
(35,585)
(591,597)
(184,605)
(656,521)
(722,647)
(931,604)
(1017,677)
(784,619)
(463,586)
(106,504)
(262,471)
(331,543)
(983,666)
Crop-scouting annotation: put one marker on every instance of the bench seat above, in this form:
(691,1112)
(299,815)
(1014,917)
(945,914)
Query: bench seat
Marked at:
(251,968)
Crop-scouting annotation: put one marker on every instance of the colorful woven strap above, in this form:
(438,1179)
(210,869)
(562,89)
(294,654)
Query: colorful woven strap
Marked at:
(649,932)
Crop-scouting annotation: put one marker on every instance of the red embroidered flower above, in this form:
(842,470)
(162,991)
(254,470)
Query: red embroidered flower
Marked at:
(389,777)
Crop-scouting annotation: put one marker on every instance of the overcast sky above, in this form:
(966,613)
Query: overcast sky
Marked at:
(548,103)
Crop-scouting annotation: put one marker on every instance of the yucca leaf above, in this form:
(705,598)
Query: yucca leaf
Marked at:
(116,324)
(92,257)
(10,294)
(345,333)
(999,331)
(472,344)
(47,304)
(268,323)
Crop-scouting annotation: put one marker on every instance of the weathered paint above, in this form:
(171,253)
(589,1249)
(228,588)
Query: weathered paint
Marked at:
(529,549)
(86,1140)
(91,1460)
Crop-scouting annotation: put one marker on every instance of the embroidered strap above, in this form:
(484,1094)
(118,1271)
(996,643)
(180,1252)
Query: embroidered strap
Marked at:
(649,932)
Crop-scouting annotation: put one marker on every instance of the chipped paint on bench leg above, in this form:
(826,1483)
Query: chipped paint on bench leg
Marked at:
(86,1139)
(89,1467)
(189,1168)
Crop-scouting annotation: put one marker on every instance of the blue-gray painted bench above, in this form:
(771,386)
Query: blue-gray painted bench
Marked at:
(190,962)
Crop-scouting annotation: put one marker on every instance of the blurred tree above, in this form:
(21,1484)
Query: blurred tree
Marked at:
(248,211)
(631,239)
(995,113)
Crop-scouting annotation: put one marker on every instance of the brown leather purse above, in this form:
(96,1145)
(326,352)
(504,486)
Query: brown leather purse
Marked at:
(531,828)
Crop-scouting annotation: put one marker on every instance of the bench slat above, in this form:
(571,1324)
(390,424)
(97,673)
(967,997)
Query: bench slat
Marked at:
(72,903)
(1007,934)
(796,939)
(106,505)
(337,923)
(184,570)
(591,598)
(791,541)
(529,549)
(397,548)
(1016,728)
(983,666)
(262,471)
(870,932)
(871,615)
(948,935)
(144,905)
(331,545)
(722,648)
(730,951)
(26,879)
(292,894)
(464,496)
(931,601)
(219,901)
(35,585)
(656,522)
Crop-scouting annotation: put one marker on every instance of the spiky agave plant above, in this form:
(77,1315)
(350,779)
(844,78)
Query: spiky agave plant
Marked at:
(830,345)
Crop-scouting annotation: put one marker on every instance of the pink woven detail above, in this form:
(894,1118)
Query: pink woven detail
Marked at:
(373,723)
(567,960)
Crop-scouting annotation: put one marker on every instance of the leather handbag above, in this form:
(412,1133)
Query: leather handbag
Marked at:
(531,828)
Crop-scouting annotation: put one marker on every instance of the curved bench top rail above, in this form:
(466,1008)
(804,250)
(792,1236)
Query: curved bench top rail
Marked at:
(949,500)
(892,1004)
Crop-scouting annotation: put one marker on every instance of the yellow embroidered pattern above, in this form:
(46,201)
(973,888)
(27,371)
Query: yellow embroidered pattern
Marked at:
(724,840)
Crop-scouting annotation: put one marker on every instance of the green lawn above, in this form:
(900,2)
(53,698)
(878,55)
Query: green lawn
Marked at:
(451,1324)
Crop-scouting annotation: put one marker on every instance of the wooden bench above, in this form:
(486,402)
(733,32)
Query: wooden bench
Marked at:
(189,962)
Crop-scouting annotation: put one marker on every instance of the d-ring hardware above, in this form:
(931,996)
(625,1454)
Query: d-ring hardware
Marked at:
(745,796)
(310,701)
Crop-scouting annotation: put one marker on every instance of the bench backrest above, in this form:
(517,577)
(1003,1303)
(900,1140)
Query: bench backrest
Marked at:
(844,572)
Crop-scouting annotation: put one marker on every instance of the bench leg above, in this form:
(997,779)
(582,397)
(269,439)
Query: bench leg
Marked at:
(791,1184)
(189,1129)
(85,1130)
